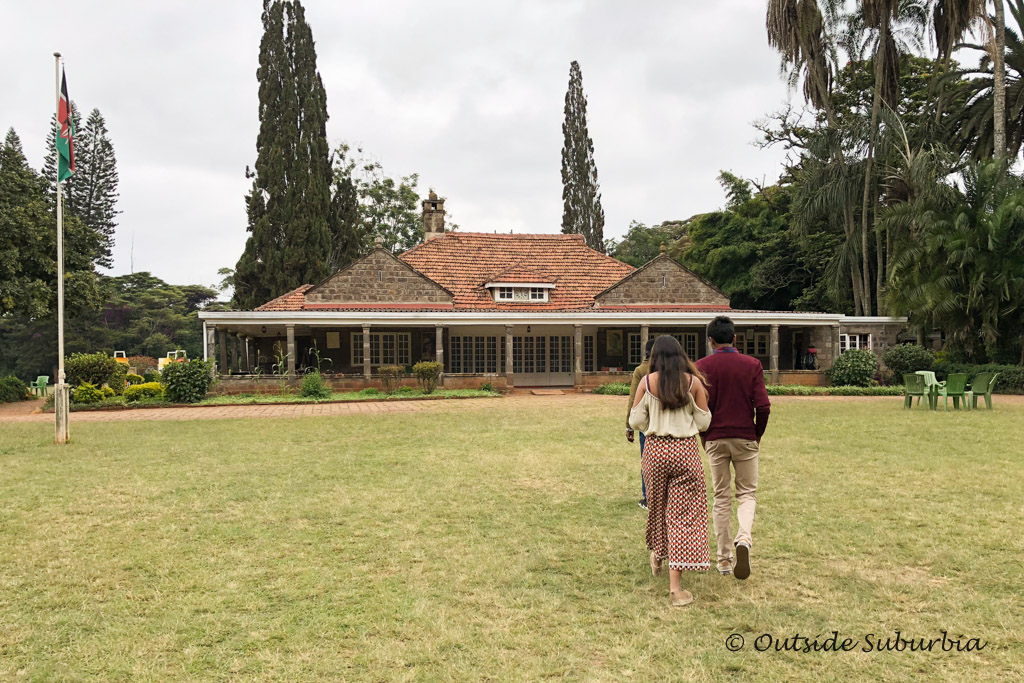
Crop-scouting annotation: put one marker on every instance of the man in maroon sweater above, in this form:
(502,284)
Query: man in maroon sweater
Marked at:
(739,414)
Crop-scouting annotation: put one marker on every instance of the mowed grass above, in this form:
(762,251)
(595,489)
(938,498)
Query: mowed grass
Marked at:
(498,540)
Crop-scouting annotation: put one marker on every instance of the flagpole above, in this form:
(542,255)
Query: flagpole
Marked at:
(60,398)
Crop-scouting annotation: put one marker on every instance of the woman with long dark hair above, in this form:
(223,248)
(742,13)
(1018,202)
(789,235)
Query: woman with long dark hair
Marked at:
(671,408)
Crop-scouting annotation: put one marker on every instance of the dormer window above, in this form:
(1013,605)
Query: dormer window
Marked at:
(520,292)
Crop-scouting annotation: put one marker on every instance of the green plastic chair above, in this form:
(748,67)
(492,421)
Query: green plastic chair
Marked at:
(914,385)
(39,386)
(932,384)
(982,385)
(954,387)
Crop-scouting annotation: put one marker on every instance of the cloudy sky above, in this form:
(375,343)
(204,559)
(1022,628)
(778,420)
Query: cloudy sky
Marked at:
(467,94)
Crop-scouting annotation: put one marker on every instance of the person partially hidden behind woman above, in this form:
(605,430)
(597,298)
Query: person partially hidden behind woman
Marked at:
(671,408)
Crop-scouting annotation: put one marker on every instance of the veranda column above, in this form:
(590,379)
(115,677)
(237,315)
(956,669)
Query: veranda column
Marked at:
(366,351)
(773,363)
(223,367)
(291,351)
(211,343)
(645,335)
(509,379)
(236,353)
(439,345)
(835,346)
(577,375)
(247,355)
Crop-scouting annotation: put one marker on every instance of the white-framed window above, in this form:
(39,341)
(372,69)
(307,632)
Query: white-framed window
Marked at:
(636,352)
(740,342)
(588,353)
(761,340)
(504,294)
(566,355)
(475,354)
(538,294)
(854,341)
(688,340)
(386,348)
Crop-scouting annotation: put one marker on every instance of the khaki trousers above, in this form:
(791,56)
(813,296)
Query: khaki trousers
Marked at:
(742,455)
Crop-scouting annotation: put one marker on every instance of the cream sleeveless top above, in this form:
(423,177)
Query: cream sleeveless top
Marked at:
(653,419)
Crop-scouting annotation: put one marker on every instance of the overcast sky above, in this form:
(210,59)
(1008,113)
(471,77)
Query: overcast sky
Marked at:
(467,94)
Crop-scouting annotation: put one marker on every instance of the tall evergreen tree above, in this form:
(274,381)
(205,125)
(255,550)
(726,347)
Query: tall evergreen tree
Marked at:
(581,195)
(348,234)
(289,203)
(91,193)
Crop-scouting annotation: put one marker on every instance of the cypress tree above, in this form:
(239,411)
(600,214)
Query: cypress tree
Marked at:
(91,193)
(94,195)
(289,203)
(581,196)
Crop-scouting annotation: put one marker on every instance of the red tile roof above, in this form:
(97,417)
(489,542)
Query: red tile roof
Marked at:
(292,301)
(463,262)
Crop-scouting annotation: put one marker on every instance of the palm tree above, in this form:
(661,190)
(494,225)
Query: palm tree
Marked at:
(884,29)
(952,21)
(964,270)
(975,124)
(998,53)
(798,30)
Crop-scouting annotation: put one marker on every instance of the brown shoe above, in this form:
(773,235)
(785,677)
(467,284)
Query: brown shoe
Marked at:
(681,598)
(655,564)
(742,569)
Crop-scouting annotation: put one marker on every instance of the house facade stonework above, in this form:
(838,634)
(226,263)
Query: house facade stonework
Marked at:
(510,310)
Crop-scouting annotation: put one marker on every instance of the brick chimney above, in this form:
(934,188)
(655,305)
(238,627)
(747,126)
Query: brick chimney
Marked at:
(433,217)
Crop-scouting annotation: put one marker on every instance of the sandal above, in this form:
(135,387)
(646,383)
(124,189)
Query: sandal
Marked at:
(681,598)
(655,564)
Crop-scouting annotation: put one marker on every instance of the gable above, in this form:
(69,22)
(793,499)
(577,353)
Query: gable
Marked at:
(662,281)
(378,277)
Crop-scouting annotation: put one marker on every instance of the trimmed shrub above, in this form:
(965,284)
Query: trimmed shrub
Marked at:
(855,368)
(94,368)
(1010,380)
(87,392)
(107,392)
(428,373)
(137,392)
(313,386)
(370,391)
(12,389)
(132,379)
(389,376)
(904,359)
(150,376)
(405,391)
(187,382)
(613,389)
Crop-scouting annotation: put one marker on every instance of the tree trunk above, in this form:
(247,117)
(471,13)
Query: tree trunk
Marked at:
(876,108)
(879,269)
(858,288)
(999,89)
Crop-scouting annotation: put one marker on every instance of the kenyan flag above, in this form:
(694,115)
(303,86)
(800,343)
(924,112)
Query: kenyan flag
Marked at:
(66,135)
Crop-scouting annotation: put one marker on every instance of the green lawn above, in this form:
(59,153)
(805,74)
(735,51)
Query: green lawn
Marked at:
(487,540)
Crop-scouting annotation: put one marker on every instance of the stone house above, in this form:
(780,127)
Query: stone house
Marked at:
(510,310)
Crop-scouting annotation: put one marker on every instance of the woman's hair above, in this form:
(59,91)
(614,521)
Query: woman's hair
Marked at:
(670,362)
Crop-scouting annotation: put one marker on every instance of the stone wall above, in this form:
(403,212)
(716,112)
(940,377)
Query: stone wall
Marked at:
(379,277)
(662,281)
(883,335)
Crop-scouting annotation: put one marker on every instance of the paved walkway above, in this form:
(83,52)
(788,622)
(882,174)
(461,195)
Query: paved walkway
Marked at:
(24,411)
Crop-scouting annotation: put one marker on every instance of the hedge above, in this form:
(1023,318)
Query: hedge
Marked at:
(1010,380)
(799,390)
(904,359)
(855,367)
(613,389)
(137,392)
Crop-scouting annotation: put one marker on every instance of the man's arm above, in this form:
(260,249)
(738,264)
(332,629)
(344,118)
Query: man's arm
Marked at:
(762,405)
(632,393)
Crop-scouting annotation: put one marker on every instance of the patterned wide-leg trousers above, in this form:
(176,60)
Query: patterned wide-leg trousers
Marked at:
(677,502)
